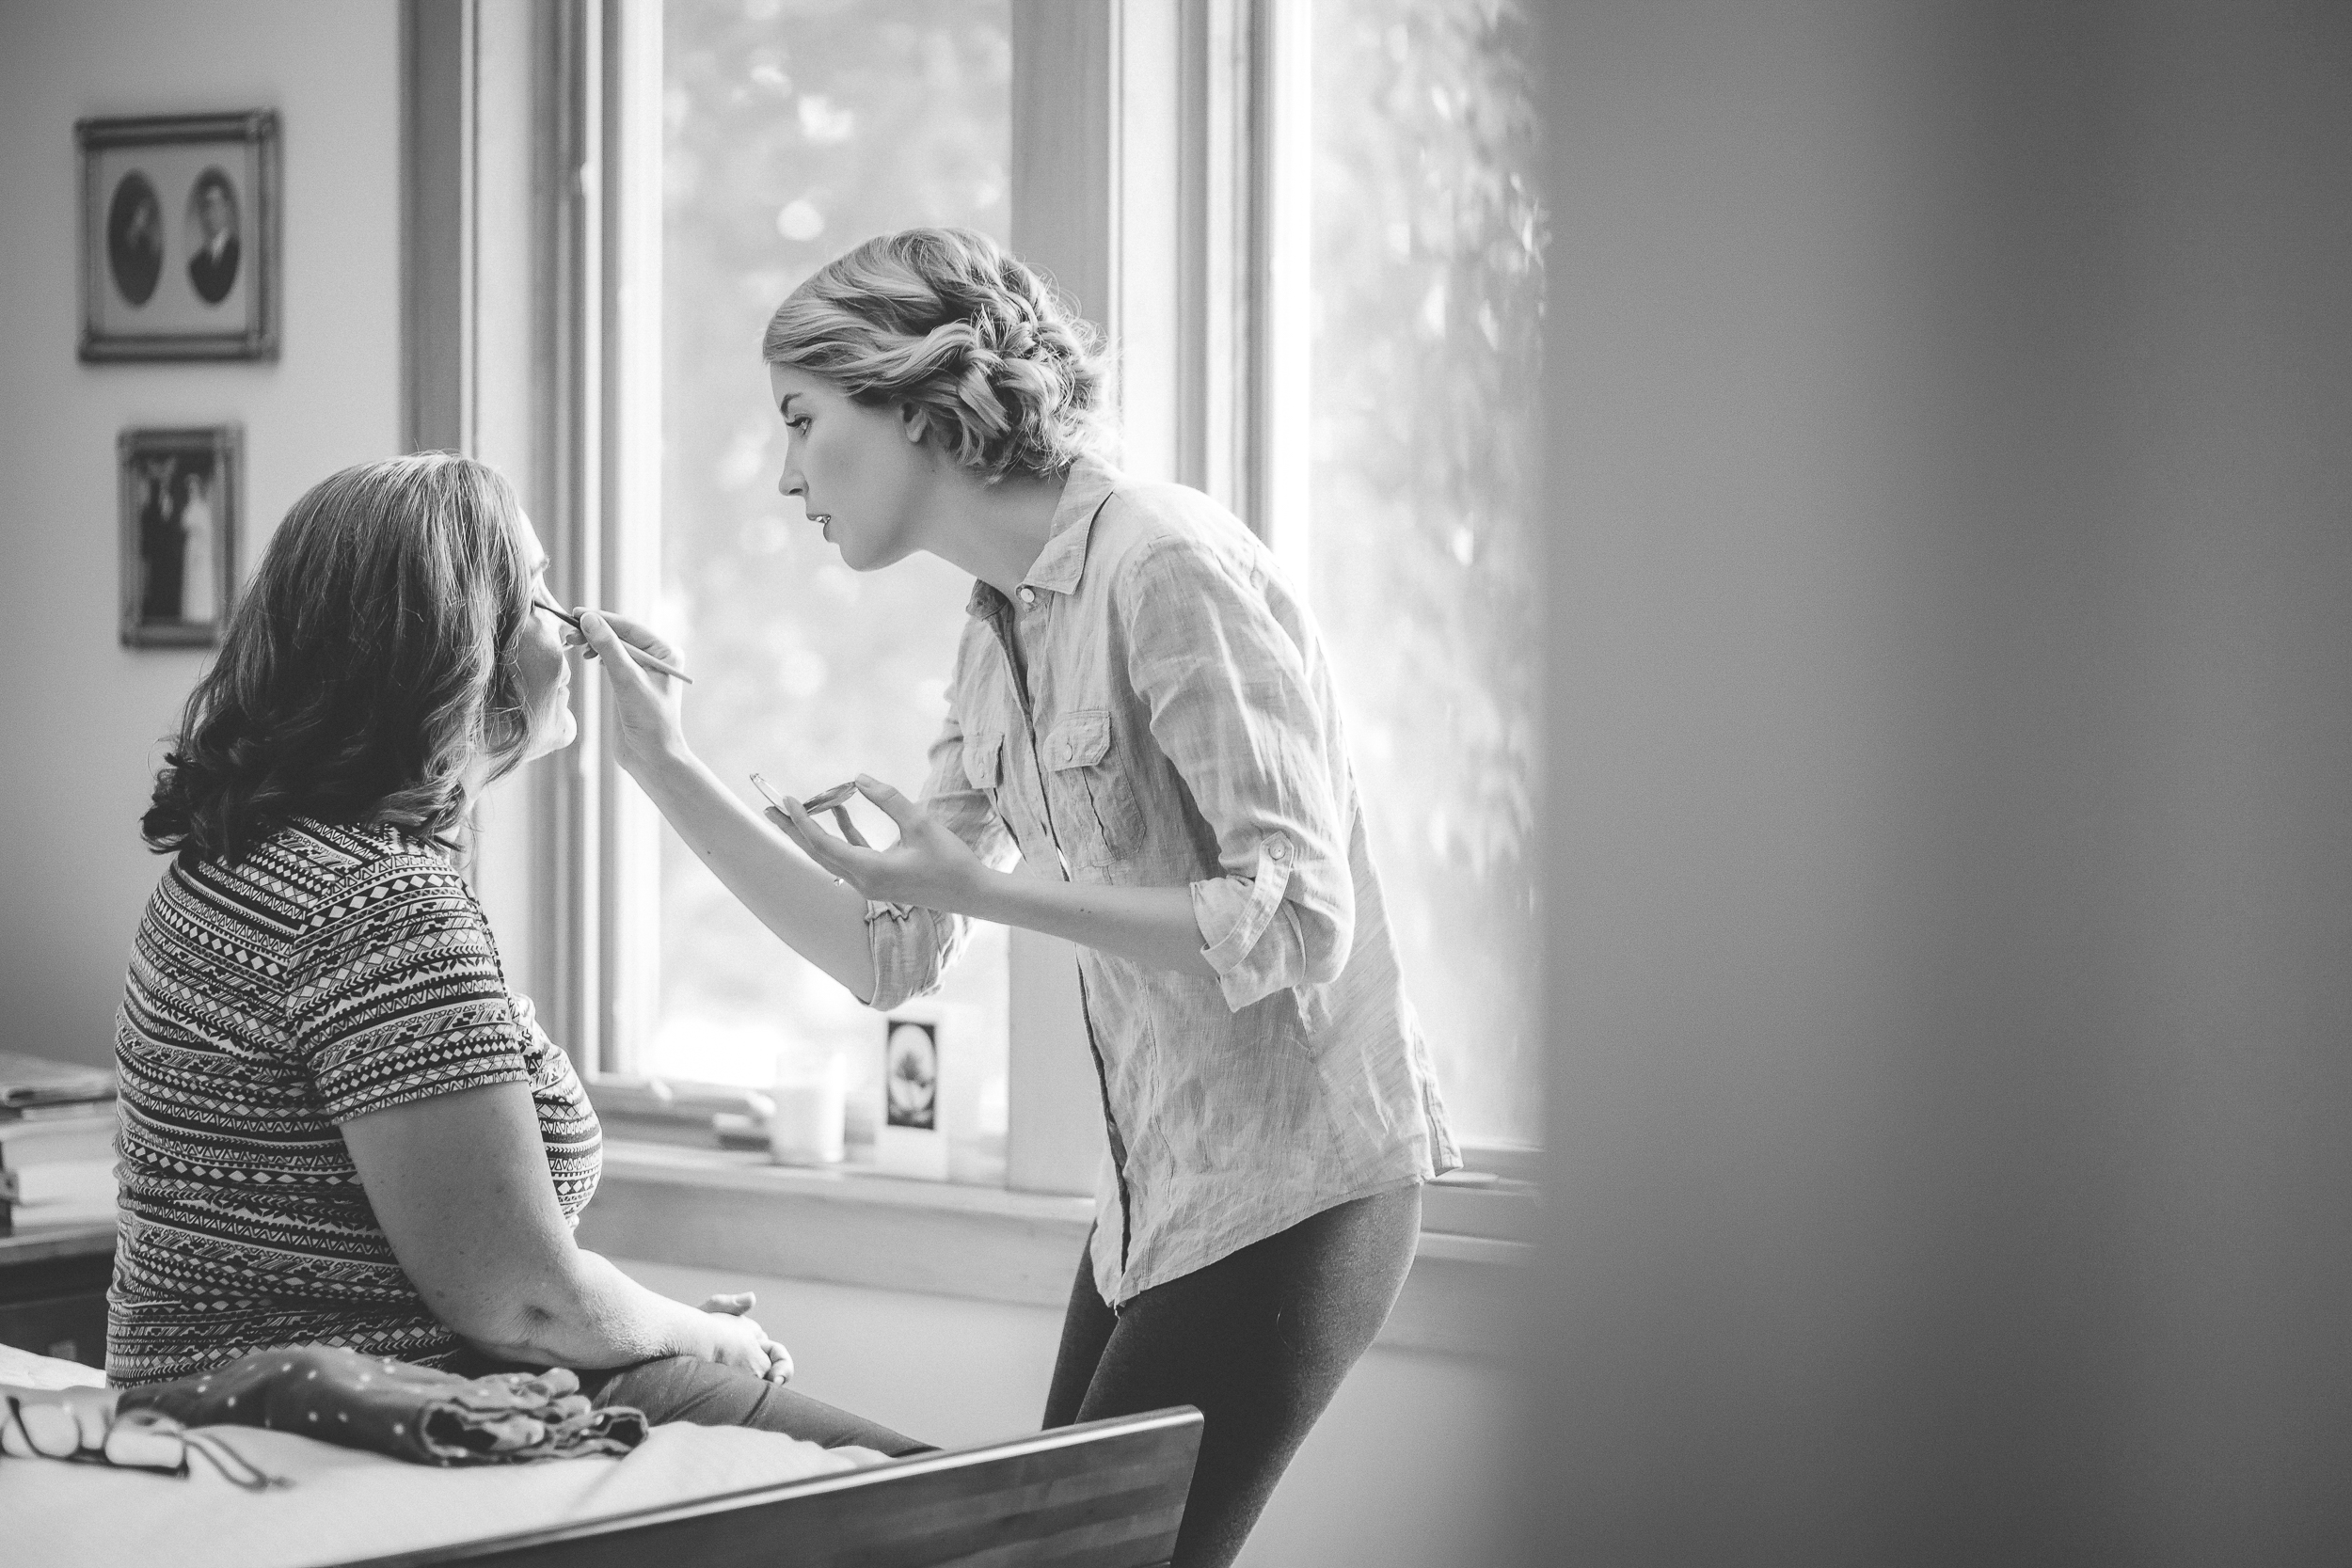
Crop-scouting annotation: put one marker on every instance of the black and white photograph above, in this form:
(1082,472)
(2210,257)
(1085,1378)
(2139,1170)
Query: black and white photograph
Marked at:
(911,1074)
(179,528)
(180,227)
(1176,783)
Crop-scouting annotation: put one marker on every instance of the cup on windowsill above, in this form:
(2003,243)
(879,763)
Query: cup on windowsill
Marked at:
(812,1110)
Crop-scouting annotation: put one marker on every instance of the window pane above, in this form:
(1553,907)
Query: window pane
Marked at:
(793,129)
(1423,378)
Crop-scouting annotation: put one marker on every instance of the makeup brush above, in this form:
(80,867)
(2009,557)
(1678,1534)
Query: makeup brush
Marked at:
(648,661)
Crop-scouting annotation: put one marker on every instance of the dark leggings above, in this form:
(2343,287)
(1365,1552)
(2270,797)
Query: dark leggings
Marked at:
(1258,1339)
(707,1394)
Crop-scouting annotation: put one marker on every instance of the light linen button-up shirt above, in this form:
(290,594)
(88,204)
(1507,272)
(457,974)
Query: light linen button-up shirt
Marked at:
(1156,710)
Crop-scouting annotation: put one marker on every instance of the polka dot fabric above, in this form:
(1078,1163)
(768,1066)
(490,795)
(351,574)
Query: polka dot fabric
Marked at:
(395,1408)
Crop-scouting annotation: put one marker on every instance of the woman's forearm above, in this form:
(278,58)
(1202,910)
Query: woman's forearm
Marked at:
(592,1315)
(1151,926)
(821,919)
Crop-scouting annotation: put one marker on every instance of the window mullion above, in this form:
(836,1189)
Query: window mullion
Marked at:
(1129,126)
(1283,289)
(630,894)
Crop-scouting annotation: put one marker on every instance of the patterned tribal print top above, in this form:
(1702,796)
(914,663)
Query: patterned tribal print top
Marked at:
(332,971)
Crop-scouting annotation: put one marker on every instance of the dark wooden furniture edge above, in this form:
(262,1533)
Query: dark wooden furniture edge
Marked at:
(52,1291)
(1104,1494)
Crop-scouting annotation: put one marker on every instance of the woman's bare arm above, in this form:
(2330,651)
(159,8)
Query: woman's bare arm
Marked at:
(459,1185)
(818,918)
(932,867)
(821,919)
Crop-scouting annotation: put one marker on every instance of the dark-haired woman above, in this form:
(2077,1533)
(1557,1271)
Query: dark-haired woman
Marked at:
(1142,707)
(339,1125)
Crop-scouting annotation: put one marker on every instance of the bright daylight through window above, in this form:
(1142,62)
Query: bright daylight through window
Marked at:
(1413,436)
(792,130)
(1402,325)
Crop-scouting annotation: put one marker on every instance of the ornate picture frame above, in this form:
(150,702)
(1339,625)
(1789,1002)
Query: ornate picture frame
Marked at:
(179,236)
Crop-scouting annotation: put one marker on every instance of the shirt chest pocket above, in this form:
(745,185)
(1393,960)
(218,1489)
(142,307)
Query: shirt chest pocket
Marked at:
(984,768)
(1094,803)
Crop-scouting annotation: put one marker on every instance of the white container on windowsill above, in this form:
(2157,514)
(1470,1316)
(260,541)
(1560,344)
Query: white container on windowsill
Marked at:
(811,1114)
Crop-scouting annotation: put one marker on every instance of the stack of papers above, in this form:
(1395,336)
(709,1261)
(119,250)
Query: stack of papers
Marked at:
(34,1082)
(57,1143)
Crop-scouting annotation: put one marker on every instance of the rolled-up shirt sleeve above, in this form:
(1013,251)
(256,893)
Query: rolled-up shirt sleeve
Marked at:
(1235,708)
(912,945)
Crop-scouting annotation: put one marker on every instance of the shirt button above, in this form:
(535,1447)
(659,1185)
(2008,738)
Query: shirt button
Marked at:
(1278,849)
(1028,596)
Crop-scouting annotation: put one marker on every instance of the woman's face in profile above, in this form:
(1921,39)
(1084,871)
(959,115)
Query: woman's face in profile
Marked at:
(546,674)
(856,473)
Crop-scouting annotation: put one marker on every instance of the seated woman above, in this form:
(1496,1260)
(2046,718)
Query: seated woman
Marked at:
(339,1125)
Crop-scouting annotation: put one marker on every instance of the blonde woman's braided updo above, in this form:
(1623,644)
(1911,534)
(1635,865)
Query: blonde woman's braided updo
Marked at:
(945,318)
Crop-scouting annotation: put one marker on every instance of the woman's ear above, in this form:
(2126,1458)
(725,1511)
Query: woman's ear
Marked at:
(915,420)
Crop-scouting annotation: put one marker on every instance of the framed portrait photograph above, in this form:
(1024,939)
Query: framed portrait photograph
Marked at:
(180,227)
(180,499)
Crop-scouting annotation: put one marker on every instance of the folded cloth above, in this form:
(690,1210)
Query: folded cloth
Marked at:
(398,1408)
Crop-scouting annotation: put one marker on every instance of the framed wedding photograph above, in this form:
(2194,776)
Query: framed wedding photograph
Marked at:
(181,491)
(179,224)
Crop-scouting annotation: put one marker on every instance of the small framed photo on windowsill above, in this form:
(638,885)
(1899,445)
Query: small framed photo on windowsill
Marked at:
(179,236)
(911,1141)
(180,495)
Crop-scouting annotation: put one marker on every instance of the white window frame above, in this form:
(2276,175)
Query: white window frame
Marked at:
(1129,131)
(1131,188)
(1140,181)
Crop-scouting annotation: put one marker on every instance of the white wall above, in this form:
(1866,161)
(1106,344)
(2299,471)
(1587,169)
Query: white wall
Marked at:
(1952,735)
(1404,1469)
(84,717)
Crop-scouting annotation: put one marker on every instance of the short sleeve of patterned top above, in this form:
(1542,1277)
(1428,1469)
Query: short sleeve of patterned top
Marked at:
(332,971)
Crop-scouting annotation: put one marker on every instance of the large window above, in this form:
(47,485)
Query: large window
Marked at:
(1408,282)
(790,130)
(1327,231)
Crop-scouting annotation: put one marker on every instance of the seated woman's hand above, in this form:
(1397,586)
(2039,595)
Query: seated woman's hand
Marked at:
(738,1341)
(929,867)
(646,703)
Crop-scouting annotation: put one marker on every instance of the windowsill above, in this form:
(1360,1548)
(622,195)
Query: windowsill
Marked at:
(724,1209)
(662,1162)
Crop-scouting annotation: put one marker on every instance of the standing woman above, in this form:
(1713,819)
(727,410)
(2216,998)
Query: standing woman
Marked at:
(1141,708)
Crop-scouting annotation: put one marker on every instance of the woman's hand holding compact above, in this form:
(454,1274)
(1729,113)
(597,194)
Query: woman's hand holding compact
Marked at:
(646,704)
(929,867)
